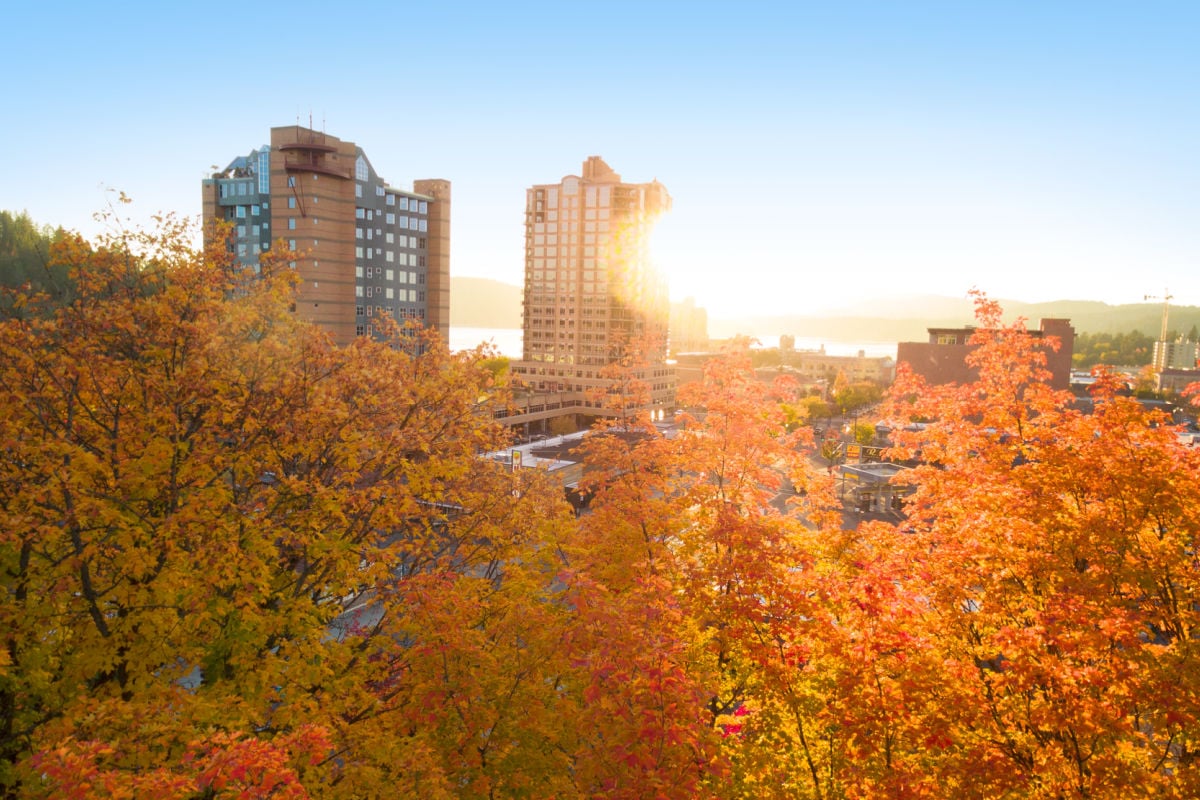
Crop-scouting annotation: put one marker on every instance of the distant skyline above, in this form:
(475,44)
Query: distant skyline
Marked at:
(815,152)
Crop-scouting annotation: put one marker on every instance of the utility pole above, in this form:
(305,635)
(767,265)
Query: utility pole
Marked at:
(1167,297)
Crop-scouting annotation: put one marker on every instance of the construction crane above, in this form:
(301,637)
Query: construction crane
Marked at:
(1167,297)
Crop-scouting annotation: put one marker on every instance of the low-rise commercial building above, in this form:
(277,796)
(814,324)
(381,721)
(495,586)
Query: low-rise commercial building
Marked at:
(943,359)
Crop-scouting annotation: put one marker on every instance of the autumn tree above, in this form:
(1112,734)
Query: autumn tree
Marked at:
(699,528)
(240,561)
(1146,384)
(221,537)
(1052,553)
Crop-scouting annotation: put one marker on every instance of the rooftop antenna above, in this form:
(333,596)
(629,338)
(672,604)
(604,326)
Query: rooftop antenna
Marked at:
(1167,297)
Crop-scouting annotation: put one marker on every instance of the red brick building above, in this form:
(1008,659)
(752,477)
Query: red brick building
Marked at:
(943,359)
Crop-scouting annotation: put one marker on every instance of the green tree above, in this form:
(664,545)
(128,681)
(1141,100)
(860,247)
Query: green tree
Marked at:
(815,407)
(1132,348)
(25,255)
(851,396)
(864,432)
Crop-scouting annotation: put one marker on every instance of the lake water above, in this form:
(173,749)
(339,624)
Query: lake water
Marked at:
(508,342)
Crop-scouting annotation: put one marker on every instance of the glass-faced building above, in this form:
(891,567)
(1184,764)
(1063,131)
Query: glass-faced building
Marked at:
(365,250)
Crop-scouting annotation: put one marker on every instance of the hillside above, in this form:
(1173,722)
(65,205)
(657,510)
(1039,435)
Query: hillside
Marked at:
(487,303)
(906,318)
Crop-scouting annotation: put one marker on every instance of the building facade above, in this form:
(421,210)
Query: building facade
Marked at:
(591,291)
(810,365)
(943,359)
(364,250)
(1175,355)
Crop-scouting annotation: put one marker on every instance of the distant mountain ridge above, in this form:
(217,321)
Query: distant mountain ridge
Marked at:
(487,303)
(907,318)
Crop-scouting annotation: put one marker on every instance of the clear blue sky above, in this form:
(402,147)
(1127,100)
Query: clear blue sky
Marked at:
(815,151)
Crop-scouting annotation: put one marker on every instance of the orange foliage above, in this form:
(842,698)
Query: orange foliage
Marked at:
(239,561)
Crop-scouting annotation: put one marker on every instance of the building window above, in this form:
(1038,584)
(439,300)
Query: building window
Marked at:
(360,169)
(947,338)
(291,223)
(291,202)
(358,311)
(291,181)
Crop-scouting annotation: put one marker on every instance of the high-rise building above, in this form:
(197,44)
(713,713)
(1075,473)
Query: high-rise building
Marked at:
(591,290)
(364,249)
(1175,355)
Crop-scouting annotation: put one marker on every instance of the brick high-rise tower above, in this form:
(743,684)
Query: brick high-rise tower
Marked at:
(364,249)
(590,286)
